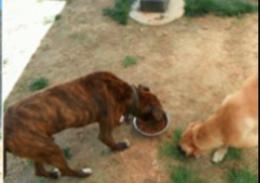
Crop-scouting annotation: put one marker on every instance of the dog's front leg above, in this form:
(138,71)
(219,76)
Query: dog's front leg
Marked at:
(40,171)
(219,154)
(105,135)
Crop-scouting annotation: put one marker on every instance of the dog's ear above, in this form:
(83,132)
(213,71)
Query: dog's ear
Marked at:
(196,136)
(200,134)
(143,88)
(200,138)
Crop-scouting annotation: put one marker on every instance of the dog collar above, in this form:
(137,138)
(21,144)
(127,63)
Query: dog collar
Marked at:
(135,102)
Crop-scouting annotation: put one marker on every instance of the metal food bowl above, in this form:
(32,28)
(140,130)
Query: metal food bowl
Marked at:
(135,120)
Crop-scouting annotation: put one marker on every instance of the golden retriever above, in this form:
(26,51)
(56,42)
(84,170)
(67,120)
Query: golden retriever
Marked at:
(234,124)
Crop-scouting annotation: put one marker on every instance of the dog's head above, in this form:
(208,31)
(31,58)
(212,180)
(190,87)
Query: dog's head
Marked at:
(188,143)
(150,108)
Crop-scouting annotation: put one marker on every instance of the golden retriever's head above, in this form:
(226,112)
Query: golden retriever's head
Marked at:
(188,141)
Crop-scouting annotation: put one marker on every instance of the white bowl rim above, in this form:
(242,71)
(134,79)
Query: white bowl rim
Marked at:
(151,134)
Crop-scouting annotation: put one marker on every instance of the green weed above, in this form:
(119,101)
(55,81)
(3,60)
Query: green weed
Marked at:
(38,84)
(119,12)
(234,154)
(67,153)
(129,61)
(219,7)
(241,176)
(184,175)
(171,148)
(57,17)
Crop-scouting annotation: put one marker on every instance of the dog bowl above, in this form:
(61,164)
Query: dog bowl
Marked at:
(150,134)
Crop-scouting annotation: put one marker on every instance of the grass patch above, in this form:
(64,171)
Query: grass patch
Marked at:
(38,84)
(67,153)
(234,154)
(219,7)
(171,148)
(184,175)
(241,176)
(129,61)
(119,12)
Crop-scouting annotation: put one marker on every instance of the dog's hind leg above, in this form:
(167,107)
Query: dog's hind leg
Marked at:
(43,150)
(52,155)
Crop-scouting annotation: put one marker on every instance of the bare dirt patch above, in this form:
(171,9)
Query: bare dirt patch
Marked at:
(191,64)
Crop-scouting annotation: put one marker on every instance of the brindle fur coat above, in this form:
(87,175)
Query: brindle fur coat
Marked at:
(98,97)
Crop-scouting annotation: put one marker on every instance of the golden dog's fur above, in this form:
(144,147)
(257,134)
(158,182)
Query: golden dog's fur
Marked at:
(234,124)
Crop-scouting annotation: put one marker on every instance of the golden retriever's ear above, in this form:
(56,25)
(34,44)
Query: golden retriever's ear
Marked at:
(201,139)
(197,136)
(195,132)
(200,134)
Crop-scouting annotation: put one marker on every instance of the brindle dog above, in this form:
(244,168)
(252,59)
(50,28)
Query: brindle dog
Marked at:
(98,97)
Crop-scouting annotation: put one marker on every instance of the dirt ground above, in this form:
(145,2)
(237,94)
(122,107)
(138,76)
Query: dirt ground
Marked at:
(191,64)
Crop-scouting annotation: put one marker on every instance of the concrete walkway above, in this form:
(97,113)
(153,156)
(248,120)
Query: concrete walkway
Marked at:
(25,24)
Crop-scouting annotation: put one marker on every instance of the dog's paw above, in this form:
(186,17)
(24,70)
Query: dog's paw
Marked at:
(85,172)
(127,143)
(217,158)
(55,174)
(219,155)
(120,146)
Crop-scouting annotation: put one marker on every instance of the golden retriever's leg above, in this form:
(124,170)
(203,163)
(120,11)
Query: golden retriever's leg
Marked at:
(219,154)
